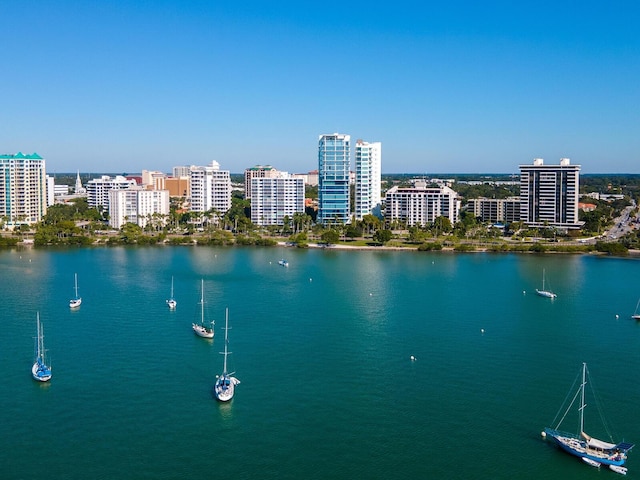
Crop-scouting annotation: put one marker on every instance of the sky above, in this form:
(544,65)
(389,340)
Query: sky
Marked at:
(447,87)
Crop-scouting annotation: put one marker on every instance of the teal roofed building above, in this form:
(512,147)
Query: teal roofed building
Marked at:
(23,189)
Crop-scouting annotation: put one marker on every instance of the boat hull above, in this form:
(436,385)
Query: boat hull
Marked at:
(545,293)
(75,303)
(171,304)
(40,372)
(578,447)
(201,331)
(225,388)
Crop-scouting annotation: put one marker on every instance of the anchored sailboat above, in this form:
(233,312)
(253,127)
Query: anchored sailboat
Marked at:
(636,314)
(40,371)
(544,292)
(76,301)
(171,303)
(225,383)
(588,448)
(201,329)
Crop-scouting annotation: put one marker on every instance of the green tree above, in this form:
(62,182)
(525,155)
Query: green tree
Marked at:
(383,236)
(330,236)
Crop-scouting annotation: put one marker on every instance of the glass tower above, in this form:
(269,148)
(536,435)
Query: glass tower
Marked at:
(333,179)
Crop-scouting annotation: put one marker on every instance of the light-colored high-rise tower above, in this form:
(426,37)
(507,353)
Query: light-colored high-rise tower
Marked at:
(259,171)
(549,194)
(210,188)
(368,157)
(23,188)
(272,199)
(334,203)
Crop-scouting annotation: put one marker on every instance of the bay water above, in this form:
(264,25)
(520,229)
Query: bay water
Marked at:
(323,350)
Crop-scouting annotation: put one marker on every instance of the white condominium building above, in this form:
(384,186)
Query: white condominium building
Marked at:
(210,188)
(549,194)
(272,199)
(368,158)
(23,188)
(138,206)
(98,189)
(259,171)
(154,179)
(420,205)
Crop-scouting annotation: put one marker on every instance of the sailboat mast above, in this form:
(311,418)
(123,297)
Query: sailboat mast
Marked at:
(76,283)
(202,303)
(582,387)
(226,336)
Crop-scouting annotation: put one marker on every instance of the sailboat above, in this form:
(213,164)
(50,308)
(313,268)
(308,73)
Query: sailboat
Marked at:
(225,383)
(76,301)
(582,445)
(200,328)
(171,303)
(636,314)
(543,292)
(40,370)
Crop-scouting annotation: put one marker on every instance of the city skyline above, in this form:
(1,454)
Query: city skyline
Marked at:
(455,88)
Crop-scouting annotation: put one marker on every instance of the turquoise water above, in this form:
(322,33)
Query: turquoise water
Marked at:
(322,349)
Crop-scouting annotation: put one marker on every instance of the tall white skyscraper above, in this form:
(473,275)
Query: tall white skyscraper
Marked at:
(272,199)
(23,188)
(334,202)
(98,189)
(137,206)
(549,194)
(368,157)
(210,188)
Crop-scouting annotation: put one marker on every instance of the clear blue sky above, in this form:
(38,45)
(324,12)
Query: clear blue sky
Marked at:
(447,87)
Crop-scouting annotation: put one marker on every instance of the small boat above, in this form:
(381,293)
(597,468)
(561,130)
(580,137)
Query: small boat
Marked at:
(618,469)
(636,315)
(593,463)
(76,301)
(171,303)
(591,450)
(283,263)
(201,329)
(40,371)
(225,383)
(544,292)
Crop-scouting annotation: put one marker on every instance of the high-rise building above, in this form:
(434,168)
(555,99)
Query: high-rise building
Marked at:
(420,204)
(259,171)
(272,199)
(138,206)
(98,189)
(210,188)
(368,158)
(549,194)
(334,203)
(23,188)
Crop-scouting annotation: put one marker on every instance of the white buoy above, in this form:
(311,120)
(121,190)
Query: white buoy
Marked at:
(482,330)
(617,316)
(413,359)
(311,279)
(524,292)
(544,434)
(371,294)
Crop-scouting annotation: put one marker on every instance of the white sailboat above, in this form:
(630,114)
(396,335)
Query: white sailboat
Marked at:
(201,329)
(636,314)
(226,382)
(76,301)
(591,450)
(40,371)
(171,302)
(544,292)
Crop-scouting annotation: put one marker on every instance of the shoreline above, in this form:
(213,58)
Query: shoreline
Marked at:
(444,249)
